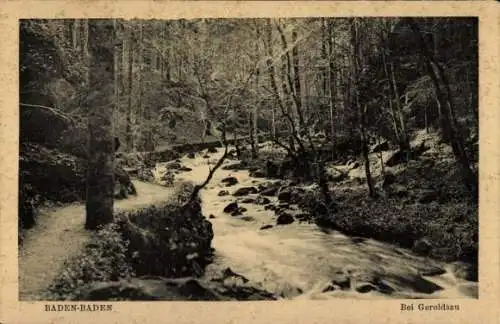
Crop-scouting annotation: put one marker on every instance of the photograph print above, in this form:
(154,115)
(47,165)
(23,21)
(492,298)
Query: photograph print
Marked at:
(248,159)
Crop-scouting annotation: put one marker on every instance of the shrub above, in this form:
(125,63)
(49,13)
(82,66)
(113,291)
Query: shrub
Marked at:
(104,259)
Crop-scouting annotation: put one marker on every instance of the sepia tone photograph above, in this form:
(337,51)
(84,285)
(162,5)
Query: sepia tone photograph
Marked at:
(250,159)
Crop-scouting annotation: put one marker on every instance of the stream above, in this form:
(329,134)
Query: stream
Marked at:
(303,261)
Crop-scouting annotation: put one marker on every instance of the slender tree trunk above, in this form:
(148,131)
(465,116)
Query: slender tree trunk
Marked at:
(381,157)
(369,180)
(100,173)
(426,122)
(288,79)
(116,69)
(296,80)
(144,142)
(164,59)
(398,131)
(326,40)
(404,142)
(273,122)
(355,39)
(76,34)
(255,115)
(284,107)
(331,79)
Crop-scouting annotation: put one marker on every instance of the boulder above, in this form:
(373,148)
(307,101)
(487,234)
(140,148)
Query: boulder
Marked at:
(365,287)
(285,195)
(211,216)
(260,200)
(397,157)
(223,193)
(170,239)
(212,150)
(194,290)
(269,192)
(229,181)
(258,173)
(237,212)
(264,227)
(284,219)
(52,174)
(248,201)
(244,191)
(422,246)
(230,208)
(34,120)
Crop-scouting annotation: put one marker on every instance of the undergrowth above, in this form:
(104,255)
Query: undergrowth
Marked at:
(451,229)
(169,239)
(104,259)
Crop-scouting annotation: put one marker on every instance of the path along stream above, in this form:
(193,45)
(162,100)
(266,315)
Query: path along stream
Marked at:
(300,260)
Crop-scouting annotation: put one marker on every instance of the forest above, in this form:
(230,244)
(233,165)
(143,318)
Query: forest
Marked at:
(342,152)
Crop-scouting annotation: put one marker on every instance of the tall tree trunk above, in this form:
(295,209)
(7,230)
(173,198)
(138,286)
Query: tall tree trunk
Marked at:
(100,173)
(273,122)
(76,34)
(325,40)
(393,112)
(129,127)
(355,41)
(404,141)
(296,80)
(165,68)
(381,157)
(369,180)
(282,104)
(331,78)
(85,47)
(116,78)
(255,113)
(288,81)
(140,119)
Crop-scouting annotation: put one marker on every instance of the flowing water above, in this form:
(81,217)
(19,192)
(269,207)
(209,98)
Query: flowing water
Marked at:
(300,260)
